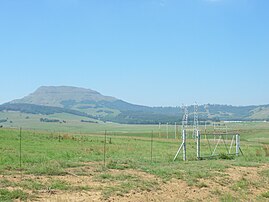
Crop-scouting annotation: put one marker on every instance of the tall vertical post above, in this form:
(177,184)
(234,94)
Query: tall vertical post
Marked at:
(237,141)
(184,145)
(198,138)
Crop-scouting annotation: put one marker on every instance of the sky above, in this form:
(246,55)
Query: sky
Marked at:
(148,52)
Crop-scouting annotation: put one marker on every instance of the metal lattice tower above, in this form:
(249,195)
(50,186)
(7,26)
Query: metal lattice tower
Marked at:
(217,148)
(185,117)
(195,120)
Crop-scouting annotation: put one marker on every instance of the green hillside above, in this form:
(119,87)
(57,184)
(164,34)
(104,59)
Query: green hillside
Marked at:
(87,103)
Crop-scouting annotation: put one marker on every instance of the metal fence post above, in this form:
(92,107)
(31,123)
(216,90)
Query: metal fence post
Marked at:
(184,145)
(237,140)
(198,138)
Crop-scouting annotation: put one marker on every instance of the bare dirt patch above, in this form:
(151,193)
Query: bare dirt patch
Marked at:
(212,189)
(238,182)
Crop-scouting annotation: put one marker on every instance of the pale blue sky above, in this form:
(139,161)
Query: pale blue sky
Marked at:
(149,52)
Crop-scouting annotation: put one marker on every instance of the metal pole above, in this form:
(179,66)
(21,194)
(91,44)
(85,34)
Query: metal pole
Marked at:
(198,144)
(237,140)
(184,145)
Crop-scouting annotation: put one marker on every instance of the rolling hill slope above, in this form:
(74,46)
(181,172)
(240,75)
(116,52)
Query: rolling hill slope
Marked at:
(91,104)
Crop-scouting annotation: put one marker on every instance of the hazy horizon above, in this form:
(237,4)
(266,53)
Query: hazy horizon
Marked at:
(153,53)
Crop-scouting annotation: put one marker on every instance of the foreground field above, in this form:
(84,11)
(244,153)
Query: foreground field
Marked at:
(129,166)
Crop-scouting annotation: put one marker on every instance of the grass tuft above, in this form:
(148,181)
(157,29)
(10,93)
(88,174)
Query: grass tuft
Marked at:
(266,194)
(202,185)
(32,185)
(6,195)
(228,197)
(59,184)
(52,168)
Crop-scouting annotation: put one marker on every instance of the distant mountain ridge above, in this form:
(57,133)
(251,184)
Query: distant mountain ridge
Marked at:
(92,104)
(56,96)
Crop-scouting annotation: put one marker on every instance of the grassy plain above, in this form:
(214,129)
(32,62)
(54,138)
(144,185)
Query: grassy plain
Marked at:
(56,164)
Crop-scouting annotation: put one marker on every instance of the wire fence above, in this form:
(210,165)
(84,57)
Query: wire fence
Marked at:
(37,152)
(27,149)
